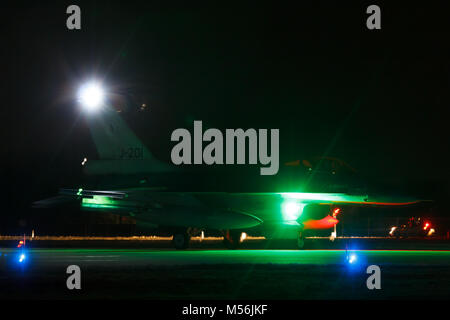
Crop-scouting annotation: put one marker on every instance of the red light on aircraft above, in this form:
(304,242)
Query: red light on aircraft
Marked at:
(426,226)
(20,244)
(324,223)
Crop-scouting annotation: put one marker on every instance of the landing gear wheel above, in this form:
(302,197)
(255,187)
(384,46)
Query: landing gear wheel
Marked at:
(232,239)
(300,241)
(181,240)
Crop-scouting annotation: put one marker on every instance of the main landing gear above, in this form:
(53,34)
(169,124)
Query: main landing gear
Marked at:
(232,239)
(181,240)
(300,241)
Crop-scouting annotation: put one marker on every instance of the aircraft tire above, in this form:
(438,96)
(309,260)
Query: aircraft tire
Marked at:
(300,241)
(232,239)
(181,241)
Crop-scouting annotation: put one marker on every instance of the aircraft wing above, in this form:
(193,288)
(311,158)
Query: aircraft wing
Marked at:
(343,198)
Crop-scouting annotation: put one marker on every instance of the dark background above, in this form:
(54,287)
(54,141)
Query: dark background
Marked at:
(377,99)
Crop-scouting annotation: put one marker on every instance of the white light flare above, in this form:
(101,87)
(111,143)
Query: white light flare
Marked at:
(392,230)
(22,257)
(91,96)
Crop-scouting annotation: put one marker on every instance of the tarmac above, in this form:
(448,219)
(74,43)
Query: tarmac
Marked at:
(216,273)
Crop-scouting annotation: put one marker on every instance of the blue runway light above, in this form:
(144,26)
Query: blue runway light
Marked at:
(355,261)
(22,257)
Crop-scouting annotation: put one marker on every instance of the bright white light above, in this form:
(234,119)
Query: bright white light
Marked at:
(91,96)
(292,210)
(333,236)
(352,258)
(22,257)
(392,230)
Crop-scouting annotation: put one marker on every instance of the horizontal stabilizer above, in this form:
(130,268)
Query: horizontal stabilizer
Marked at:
(53,202)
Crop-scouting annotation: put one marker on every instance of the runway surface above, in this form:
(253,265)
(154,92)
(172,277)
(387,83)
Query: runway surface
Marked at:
(224,274)
(43,258)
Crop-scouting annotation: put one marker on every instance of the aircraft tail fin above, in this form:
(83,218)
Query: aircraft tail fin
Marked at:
(114,140)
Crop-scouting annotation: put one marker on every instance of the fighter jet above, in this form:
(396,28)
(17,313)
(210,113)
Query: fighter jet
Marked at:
(127,179)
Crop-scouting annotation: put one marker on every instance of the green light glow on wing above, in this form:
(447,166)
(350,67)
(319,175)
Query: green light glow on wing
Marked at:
(309,196)
(347,198)
(292,210)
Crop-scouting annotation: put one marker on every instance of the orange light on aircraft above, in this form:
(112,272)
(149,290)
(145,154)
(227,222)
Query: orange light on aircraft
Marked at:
(336,212)
(392,230)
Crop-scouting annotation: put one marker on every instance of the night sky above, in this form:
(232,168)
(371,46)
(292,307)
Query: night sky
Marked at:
(376,99)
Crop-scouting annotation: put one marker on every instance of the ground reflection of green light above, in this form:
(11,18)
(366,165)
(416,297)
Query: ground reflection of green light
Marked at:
(407,258)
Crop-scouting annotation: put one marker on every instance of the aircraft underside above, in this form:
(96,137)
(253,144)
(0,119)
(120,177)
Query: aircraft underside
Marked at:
(186,214)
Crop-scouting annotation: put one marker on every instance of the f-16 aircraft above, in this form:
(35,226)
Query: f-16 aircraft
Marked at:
(128,180)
